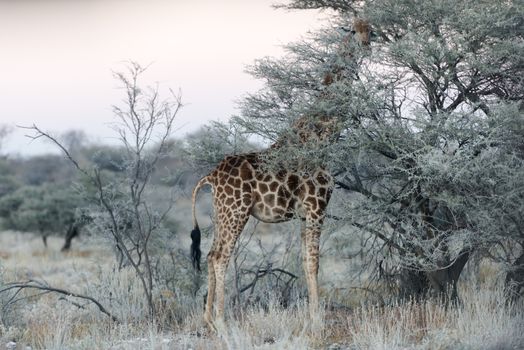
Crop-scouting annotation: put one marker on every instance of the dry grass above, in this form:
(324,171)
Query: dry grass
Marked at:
(47,321)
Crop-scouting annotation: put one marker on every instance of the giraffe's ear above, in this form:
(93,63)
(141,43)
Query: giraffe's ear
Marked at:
(361,25)
(362,30)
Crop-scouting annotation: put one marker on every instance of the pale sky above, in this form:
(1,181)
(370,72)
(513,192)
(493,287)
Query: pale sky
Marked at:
(56,58)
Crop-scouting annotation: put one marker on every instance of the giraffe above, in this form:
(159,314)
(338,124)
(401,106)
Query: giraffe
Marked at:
(361,34)
(243,186)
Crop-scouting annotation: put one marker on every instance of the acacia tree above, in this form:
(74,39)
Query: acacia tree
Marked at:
(48,210)
(431,153)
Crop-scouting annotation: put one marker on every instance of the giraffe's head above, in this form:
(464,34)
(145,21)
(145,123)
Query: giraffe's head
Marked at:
(316,128)
(359,35)
(362,31)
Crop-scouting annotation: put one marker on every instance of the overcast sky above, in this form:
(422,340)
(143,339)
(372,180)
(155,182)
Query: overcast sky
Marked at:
(56,58)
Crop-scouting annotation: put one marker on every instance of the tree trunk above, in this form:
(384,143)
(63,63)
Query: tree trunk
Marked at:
(413,284)
(72,232)
(419,284)
(514,283)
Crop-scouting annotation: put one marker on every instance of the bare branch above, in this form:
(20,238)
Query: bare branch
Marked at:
(32,284)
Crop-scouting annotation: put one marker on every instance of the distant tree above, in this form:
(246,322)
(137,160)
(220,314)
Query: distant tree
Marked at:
(431,154)
(74,140)
(24,210)
(42,169)
(5,130)
(8,180)
(109,158)
(8,184)
(175,168)
(47,210)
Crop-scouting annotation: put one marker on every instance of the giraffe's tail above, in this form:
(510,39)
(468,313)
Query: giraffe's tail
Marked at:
(195,233)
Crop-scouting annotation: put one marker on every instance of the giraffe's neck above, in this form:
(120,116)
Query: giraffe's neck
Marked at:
(279,144)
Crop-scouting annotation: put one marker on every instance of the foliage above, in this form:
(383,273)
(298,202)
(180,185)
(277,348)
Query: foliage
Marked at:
(209,145)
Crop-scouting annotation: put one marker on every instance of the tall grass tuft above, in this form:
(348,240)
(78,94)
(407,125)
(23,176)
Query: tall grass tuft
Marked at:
(481,321)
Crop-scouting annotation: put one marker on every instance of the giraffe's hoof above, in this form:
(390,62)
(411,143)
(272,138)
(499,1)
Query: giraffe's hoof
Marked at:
(211,327)
(210,324)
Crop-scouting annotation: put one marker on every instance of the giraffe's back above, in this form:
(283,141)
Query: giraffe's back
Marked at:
(241,186)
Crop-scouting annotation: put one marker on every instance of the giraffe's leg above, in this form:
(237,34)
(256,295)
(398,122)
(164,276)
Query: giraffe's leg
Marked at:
(310,257)
(303,248)
(211,286)
(225,246)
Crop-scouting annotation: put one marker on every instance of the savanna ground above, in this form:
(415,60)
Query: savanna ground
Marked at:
(39,320)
